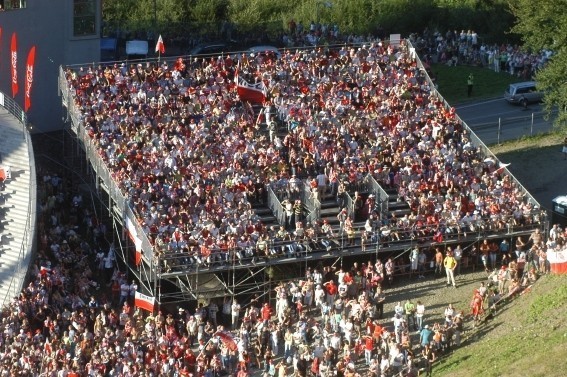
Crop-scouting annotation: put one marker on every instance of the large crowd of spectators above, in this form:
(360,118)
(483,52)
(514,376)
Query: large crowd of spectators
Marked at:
(468,48)
(77,317)
(194,158)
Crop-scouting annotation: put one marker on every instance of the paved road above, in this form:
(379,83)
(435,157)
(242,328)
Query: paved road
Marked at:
(515,121)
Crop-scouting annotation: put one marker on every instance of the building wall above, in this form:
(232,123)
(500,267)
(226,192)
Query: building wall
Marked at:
(47,24)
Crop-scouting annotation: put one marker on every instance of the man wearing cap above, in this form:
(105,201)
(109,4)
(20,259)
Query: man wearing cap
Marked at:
(425,336)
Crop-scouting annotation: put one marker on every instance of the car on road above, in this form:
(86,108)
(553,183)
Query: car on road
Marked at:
(523,93)
(213,48)
(265,50)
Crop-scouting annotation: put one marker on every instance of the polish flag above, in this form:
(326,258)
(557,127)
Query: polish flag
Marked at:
(160,47)
(500,170)
(133,235)
(255,93)
(144,302)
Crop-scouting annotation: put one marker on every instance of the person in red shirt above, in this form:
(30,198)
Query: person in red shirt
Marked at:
(266,312)
(331,291)
(368,347)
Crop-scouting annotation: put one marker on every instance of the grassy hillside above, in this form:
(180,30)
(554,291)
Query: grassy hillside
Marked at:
(452,82)
(528,337)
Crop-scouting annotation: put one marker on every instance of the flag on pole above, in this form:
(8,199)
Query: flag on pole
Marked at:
(29,78)
(14,63)
(144,302)
(160,47)
(227,340)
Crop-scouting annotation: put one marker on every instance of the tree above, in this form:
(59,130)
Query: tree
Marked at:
(543,26)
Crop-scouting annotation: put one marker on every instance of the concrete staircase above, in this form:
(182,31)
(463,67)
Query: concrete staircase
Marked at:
(15,207)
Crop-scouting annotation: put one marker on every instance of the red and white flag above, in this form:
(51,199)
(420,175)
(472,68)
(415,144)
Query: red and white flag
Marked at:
(144,302)
(160,47)
(133,235)
(29,78)
(501,168)
(227,339)
(14,63)
(255,93)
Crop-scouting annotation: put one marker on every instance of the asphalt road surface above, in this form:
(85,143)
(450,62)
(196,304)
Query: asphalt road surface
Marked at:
(496,121)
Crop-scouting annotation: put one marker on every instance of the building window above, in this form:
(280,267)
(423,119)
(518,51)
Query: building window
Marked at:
(84,18)
(12,4)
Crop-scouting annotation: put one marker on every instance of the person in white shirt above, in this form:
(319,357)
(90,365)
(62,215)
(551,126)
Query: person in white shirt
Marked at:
(235,312)
(458,255)
(419,312)
(132,289)
(124,292)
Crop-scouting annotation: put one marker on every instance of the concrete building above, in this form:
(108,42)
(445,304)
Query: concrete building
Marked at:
(64,32)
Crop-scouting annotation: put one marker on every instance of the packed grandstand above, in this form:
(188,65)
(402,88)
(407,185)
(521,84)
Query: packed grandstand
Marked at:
(196,161)
(194,158)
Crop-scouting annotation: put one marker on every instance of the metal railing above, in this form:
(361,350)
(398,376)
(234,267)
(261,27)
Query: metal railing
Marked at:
(29,237)
(382,196)
(275,205)
(310,202)
(349,205)
(378,243)
(483,150)
(102,173)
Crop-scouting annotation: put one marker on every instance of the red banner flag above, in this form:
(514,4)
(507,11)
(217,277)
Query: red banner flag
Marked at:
(255,93)
(227,340)
(144,302)
(160,47)
(133,235)
(14,63)
(29,78)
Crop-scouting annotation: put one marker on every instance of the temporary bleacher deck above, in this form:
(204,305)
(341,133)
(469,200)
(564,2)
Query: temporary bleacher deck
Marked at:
(17,204)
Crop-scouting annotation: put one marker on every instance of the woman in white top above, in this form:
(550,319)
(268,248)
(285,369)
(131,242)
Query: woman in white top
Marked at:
(419,312)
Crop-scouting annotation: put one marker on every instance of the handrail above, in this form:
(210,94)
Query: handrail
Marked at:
(275,205)
(381,194)
(101,170)
(484,150)
(311,203)
(24,256)
(349,204)
(483,230)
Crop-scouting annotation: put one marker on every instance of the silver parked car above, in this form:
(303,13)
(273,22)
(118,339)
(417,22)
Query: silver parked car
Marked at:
(523,93)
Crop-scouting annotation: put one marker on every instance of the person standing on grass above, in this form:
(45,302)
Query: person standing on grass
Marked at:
(450,263)
(458,254)
(409,309)
(470,83)
(438,261)
(564,150)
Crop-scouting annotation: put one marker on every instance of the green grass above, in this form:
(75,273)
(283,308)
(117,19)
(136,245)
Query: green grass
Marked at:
(452,82)
(528,337)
